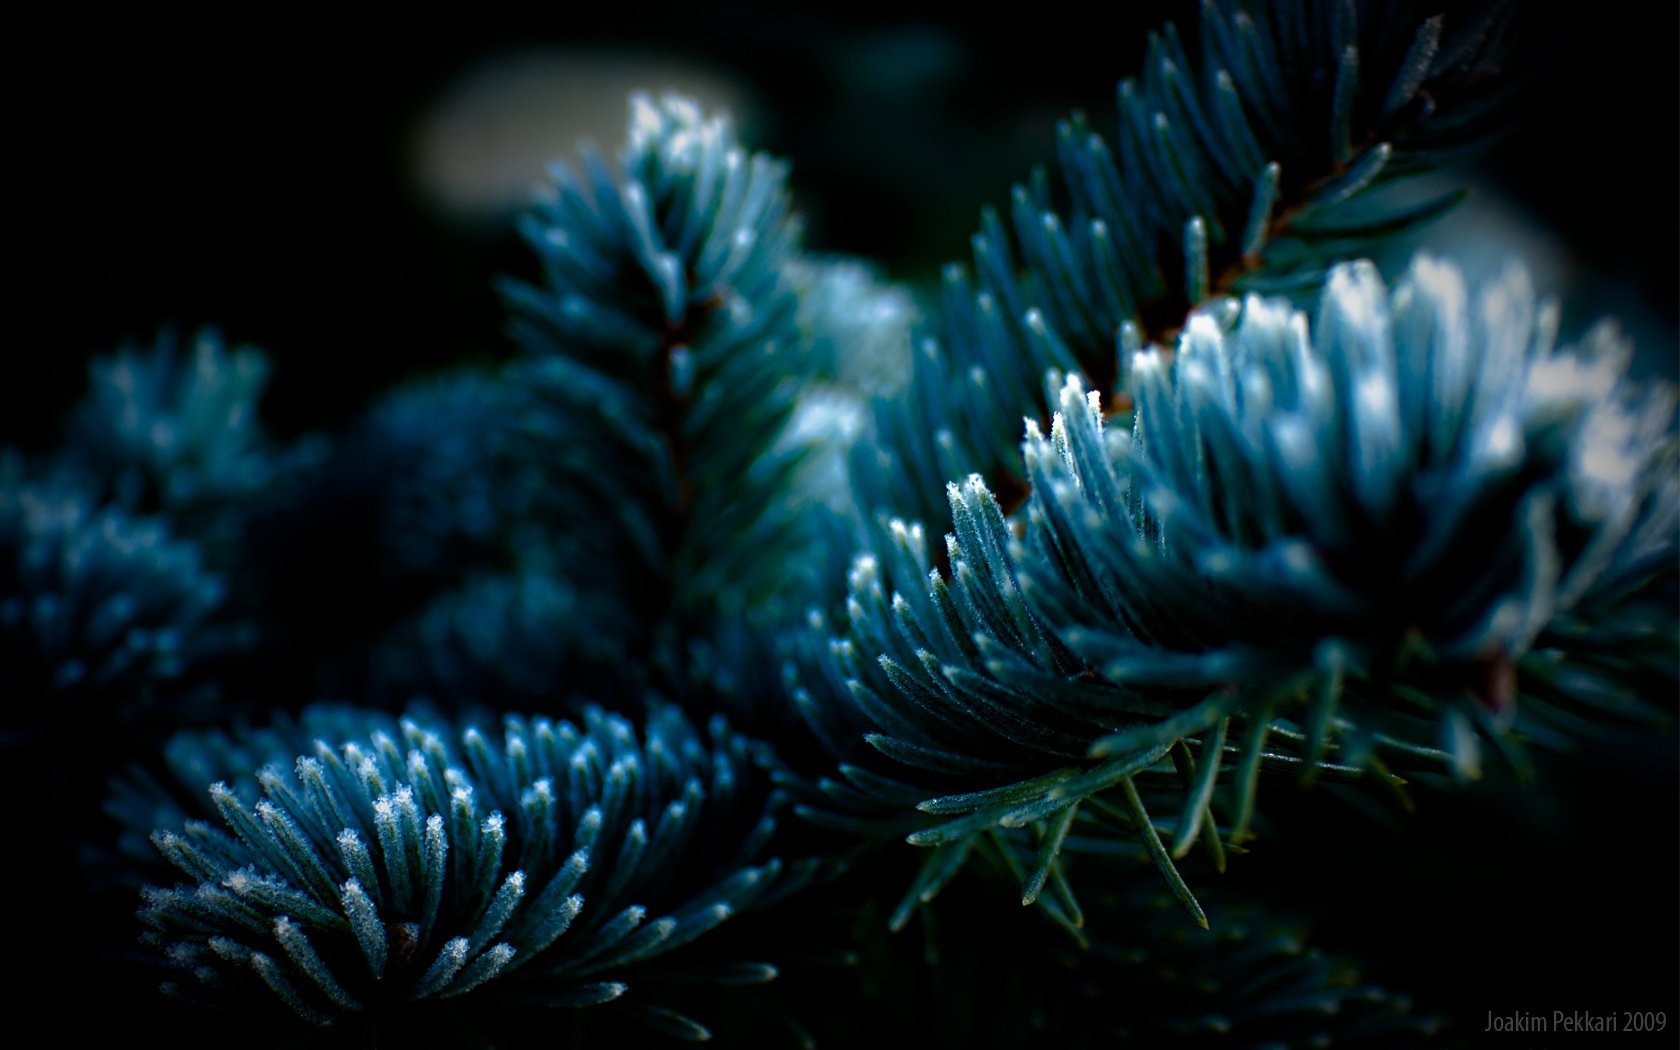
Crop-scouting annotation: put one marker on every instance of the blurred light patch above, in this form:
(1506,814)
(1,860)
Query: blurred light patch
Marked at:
(491,135)
(858,324)
(1487,232)
(825,426)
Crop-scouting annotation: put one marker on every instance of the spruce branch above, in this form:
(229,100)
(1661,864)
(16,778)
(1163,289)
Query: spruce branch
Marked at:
(666,346)
(1375,520)
(1340,548)
(666,327)
(951,712)
(1254,165)
(440,485)
(455,484)
(105,618)
(506,640)
(175,431)
(410,861)
(1277,519)
(476,492)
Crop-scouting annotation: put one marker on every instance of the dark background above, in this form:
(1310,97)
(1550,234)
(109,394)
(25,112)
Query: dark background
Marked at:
(261,175)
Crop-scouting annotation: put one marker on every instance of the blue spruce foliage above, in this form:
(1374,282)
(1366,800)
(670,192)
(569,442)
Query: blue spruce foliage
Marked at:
(750,603)
(176,430)
(546,863)
(1384,513)
(1341,545)
(106,618)
(1252,165)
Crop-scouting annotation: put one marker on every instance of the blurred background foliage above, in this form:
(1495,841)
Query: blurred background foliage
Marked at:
(341,195)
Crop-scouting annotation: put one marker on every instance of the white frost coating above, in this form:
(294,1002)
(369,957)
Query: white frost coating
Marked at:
(1608,461)
(1298,557)
(454,780)
(1376,394)
(1255,387)
(1501,441)
(645,121)
(683,109)
(1197,380)
(1566,380)
(1059,438)
(1355,296)
(1202,335)
(1313,392)
(1505,324)
(591,822)
(1265,315)
(1377,419)
(1443,285)
(1293,437)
